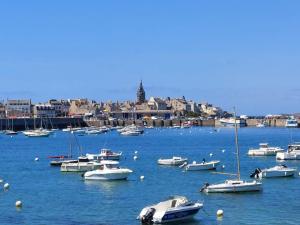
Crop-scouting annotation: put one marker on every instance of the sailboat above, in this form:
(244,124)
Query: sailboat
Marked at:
(236,185)
(8,131)
(60,159)
(37,132)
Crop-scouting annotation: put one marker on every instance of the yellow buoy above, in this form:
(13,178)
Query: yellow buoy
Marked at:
(6,185)
(220,212)
(18,204)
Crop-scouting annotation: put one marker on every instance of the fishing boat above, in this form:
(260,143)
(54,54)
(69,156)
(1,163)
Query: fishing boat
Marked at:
(236,185)
(276,171)
(82,165)
(174,161)
(108,170)
(174,209)
(264,150)
(293,153)
(211,165)
(105,154)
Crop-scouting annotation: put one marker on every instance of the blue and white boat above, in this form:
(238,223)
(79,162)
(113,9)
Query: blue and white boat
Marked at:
(175,208)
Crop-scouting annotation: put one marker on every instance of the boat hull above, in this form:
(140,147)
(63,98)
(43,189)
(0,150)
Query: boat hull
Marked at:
(94,175)
(276,173)
(171,162)
(202,166)
(223,188)
(75,167)
(288,156)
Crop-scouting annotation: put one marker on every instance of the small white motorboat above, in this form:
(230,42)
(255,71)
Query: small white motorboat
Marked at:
(94,131)
(105,154)
(293,153)
(36,133)
(130,133)
(212,165)
(232,186)
(175,161)
(82,165)
(109,170)
(276,171)
(10,132)
(176,208)
(264,150)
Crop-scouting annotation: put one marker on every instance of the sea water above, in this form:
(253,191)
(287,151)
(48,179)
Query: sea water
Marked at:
(52,197)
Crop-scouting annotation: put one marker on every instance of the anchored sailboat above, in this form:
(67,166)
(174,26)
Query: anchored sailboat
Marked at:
(237,185)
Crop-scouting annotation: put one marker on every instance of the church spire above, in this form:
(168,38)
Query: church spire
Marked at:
(140,93)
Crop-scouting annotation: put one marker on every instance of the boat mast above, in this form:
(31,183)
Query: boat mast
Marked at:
(237,146)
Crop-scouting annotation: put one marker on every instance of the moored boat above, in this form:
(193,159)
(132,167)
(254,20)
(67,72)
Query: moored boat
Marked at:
(174,161)
(211,165)
(108,170)
(82,165)
(293,153)
(174,209)
(105,154)
(276,171)
(264,150)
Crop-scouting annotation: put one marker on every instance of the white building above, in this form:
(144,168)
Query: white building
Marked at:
(18,108)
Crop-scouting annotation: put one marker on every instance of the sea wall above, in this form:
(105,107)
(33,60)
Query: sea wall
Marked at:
(29,123)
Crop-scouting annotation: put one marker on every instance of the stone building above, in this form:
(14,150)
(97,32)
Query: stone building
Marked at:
(44,110)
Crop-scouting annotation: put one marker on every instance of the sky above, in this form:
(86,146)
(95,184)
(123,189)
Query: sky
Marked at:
(229,53)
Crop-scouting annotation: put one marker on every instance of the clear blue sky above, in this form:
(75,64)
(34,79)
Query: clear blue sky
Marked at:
(242,53)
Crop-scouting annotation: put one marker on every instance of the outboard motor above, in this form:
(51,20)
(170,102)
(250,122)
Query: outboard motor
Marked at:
(255,173)
(147,218)
(204,186)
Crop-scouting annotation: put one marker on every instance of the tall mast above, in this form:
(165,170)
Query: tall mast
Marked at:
(237,146)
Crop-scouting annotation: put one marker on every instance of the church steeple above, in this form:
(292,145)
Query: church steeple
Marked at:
(140,94)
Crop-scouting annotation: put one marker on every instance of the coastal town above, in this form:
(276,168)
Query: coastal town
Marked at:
(141,110)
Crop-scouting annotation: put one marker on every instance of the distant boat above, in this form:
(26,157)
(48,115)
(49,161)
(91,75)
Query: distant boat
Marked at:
(293,153)
(231,122)
(291,122)
(82,165)
(264,150)
(105,154)
(212,165)
(174,161)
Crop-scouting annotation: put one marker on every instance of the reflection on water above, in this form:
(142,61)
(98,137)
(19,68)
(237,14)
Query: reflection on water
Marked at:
(107,186)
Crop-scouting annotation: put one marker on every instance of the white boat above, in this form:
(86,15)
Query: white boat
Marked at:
(293,153)
(291,122)
(231,122)
(276,171)
(36,133)
(10,132)
(132,128)
(264,150)
(105,154)
(109,170)
(130,133)
(260,125)
(176,126)
(174,209)
(82,165)
(94,131)
(232,186)
(236,185)
(174,161)
(212,165)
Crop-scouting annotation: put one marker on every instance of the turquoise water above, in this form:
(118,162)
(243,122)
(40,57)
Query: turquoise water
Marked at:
(52,197)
